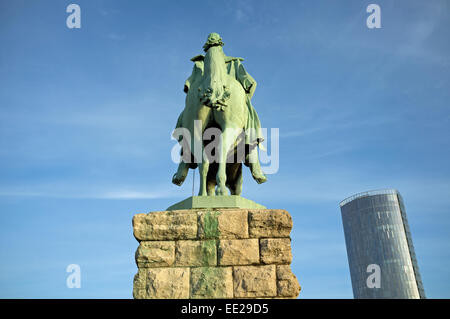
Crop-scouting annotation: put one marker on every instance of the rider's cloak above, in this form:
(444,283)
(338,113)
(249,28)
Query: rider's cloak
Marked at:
(235,69)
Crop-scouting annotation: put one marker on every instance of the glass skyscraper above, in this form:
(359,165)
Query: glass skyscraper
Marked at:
(379,246)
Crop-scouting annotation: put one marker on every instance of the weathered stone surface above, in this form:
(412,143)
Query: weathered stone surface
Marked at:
(287,283)
(254,281)
(214,253)
(196,253)
(167,225)
(211,282)
(155,254)
(227,224)
(167,283)
(238,252)
(275,250)
(139,283)
(269,223)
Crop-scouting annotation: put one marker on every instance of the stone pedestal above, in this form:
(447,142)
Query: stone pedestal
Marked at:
(214,253)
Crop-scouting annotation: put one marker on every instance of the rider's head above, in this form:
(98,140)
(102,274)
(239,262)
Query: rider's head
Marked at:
(214,39)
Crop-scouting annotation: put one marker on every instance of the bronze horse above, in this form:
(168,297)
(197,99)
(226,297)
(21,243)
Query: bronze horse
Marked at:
(215,99)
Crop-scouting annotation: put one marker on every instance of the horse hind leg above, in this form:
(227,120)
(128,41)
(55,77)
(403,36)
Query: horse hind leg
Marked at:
(211,187)
(211,179)
(235,185)
(229,136)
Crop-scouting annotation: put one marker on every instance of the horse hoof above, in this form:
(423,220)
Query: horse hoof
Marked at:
(260,178)
(178,180)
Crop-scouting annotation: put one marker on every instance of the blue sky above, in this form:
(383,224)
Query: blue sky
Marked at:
(86,117)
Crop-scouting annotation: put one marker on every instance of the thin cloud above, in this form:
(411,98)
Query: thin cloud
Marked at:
(116,37)
(336,184)
(83,192)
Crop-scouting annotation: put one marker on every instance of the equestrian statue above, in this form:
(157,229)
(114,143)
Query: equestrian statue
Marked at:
(218,96)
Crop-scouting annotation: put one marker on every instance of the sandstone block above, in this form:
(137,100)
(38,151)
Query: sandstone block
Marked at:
(254,281)
(196,253)
(214,253)
(211,282)
(155,254)
(227,224)
(167,225)
(139,284)
(275,251)
(167,283)
(238,252)
(269,223)
(287,283)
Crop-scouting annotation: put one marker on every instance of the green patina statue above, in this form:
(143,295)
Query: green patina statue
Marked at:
(218,95)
